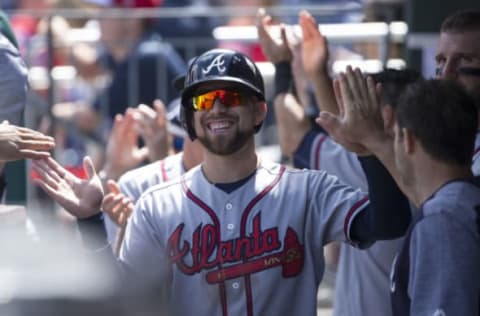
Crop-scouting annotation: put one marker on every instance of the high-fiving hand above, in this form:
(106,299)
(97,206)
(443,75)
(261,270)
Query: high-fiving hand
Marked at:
(80,197)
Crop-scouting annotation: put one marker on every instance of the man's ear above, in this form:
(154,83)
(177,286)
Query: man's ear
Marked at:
(260,112)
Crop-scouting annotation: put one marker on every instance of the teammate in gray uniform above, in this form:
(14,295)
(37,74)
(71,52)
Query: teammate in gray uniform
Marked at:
(433,128)
(362,280)
(135,182)
(236,235)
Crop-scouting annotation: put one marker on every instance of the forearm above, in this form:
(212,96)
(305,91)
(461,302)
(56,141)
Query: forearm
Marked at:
(388,215)
(383,150)
(324,94)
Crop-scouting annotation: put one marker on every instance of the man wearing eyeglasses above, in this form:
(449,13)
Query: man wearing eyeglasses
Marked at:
(237,235)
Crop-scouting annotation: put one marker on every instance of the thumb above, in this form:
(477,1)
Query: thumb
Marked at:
(328,121)
(89,167)
(113,187)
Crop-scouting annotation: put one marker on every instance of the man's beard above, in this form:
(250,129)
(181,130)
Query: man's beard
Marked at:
(228,145)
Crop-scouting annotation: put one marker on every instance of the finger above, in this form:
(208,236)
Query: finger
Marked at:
(35,144)
(352,85)
(329,122)
(378,92)
(161,112)
(51,191)
(373,95)
(109,201)
(338,96)
(307,24)
(388,117)
(111,205)
(33,135)
(259,17)
(42,165)
(45,177)
(33,154)
(146,112)
(283,34)
(113,187)
(89,167)
(346,93)
(361,84)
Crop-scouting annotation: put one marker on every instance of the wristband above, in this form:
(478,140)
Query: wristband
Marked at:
(283,77)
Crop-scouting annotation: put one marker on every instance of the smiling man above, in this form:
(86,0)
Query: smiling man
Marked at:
(238,235)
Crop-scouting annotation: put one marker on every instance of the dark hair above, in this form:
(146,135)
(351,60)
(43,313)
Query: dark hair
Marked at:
(394,83)
(462,21)
(442,116)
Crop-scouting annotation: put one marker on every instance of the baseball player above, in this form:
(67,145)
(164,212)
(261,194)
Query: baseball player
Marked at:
(362,283)
(434,126)
(458,58)
(134,182)
(237,235)
(119,202)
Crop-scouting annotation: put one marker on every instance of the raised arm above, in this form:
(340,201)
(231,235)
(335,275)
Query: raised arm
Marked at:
(315,56)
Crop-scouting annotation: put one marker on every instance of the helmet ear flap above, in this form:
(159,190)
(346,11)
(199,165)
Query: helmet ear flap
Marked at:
(186,119)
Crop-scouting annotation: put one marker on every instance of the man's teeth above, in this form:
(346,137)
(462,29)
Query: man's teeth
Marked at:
(219,125)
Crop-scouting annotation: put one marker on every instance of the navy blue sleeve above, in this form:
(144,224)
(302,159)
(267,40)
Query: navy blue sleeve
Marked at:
(93,233)
(388,215)
(301,156)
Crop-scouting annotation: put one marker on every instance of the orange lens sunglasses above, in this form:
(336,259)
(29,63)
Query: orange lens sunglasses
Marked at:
(205,101)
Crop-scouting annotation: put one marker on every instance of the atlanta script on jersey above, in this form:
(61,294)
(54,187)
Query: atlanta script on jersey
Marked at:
(255,251)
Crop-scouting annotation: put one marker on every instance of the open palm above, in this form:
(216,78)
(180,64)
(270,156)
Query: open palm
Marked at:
(80,197)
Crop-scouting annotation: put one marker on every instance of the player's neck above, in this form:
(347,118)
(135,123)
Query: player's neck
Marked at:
(231,168)
(432,175)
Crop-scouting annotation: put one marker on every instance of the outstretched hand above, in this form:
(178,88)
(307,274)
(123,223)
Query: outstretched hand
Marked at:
(20,143)
(359,125)
(123,153)
(315,48)
(116,205)
(275,49)
(152,127)
(80,197)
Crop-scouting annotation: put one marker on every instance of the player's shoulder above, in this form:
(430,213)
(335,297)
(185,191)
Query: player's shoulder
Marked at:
(171,167)
(453,196)
(140,172)
(456,203)
(292,176)
(173,186)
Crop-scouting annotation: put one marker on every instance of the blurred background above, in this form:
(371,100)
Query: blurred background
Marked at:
(90,60)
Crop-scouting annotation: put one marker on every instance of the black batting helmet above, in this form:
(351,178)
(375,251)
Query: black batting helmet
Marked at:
(218,66)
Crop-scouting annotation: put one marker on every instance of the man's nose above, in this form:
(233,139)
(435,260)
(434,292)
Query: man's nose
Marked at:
(218,106)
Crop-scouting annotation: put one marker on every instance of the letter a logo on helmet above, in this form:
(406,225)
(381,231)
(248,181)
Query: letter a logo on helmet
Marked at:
(217,68)
(218,62)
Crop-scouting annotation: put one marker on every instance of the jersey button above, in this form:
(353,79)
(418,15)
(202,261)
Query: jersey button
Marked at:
(235,285)
(229,206)
(230,226)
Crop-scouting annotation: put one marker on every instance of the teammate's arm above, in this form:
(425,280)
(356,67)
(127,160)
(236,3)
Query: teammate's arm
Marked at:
(388,215)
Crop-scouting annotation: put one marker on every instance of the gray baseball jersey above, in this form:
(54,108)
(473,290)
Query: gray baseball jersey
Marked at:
(136,181)
(255,251)
(437,272)
(362,280)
